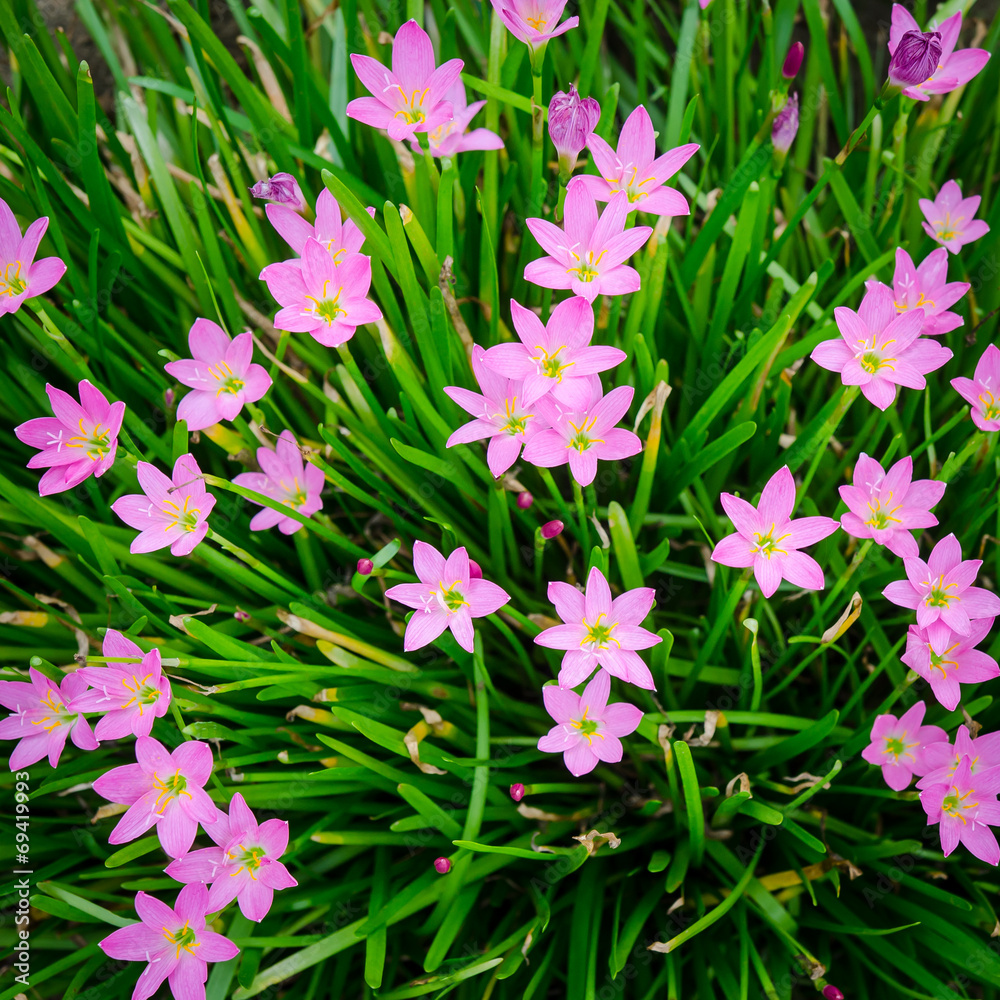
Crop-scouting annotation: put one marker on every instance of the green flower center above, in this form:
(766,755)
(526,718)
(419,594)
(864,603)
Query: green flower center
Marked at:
(939,597)
(941,663)
(12,283)
(450,598)
(249,858)
(96,442)
(227,381)
(183,516)
(581,439)
(142,693)
(955,804)
(184,937)
(882,513)
(599,635)
(767,545)
(515,423)
(550,364)
(170,788)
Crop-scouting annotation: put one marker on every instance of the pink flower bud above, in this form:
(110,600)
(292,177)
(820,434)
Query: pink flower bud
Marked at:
(475,570)
(241,616)
(525,500)
(282,188)
(793,61)
(168,399)
(442,866)
(832,993)
(552,528)
(517,792)
(365,566)
(916,57)
(786,124)
(571,120)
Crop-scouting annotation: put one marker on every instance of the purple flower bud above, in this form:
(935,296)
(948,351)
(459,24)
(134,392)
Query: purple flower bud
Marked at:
(571,120)
(517,792)
(241,616)
(168,399)
(282,188)
(442,866)
(793,61)
(916,57)
(552,528)
(365,566)
(525,500)
(475,570)
(831,992)
(786,124)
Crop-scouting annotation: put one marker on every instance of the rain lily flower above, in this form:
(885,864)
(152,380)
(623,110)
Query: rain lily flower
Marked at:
(941,592)
(785,126)
(165,790)
(914,57)
(588,255)
(951,218)
(283,189)
(42,717)
(886,506)
(926,287)
(174,942)
(879,349)
(552,357)
(600,632)
(897,745)
(966,807)
(170,511)
(446,597)
(131,695)
(501,415)
(941,759)
(452,137)
(636,169)
(587,730)
(793,61)
(411,97)
(321,298)
(767,539)
(948,662)
(221,374)
(79,441)
(572,119)
(982,391)
(21,276)
(583,436)
(284,477)
(244,863)
(950,69)
(534,22)
(340,237)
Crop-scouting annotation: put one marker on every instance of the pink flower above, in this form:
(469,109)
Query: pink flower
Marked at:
(534,22)
(950,661)
(452,137)
(952,68)
(220,373)
(913,60)
(600,632)
(879,349)
(410,98)
(636,169)
(21,276)
(951,218)
(131,695)
(926,287)
(966,807)
(587,728)
(886,506)
(285,477)
(243,866)
(501,415)
(446,597)
(79,441)
(162,789)
(174,942)
(786,125)
(583,436)
(588,255)
(321,298)
(283,189)
(553,357)
(572,119)
(983,391)
(768,540)
(941,592)
(171,511)
(941,760)
(341,237)
(897,745)
(42,717)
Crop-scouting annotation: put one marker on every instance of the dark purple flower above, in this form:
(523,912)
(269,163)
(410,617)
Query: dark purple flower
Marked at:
(571,120)
(916,57)
(793,61)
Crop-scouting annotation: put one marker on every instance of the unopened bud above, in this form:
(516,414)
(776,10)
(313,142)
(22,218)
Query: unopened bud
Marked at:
(915,59)
(442,866)
(241,616)
(475,570)
(365,566)
(832,993)
(525,500)
(571,120)
(517,792)
(552,528)
(793,61)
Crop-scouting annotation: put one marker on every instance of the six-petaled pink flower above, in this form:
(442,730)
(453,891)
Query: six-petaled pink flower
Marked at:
(454,136)
(410,97)
(887,506)
(941,591)
(878,348)
(170,511)
(131,695)
(175,944)
(448,596)
(287,478)
(767,538)
(588,254)
(966,807)
(581,437)
(534,22)
(21,276)
(600,632)
(982,392)
(588,730)
(897,745)
(636,169)
(553,357)
(341,237)
(79,441)
(927,287)
(243,866)
(951,218)
(941,758)
(221,374)
(948,661)
(42,718)
(321,298)
(162,789)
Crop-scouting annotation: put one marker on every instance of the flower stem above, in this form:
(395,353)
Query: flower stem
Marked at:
(859,558)
(537,137)
(858,133)
(583,534)
(255,564)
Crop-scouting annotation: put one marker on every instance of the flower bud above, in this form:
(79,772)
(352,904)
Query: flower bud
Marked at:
(552,528)
(786,124)
(365,566)
(831,992)
(282,188)
(916,57)
(241,616)
(475,570)
(168,399)
(793,61)
(525,500)
(517,792)
(571,120)
(442,866)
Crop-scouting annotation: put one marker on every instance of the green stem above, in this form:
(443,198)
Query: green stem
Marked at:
(583,532)
(859,558)
(858,133)
(255,564)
